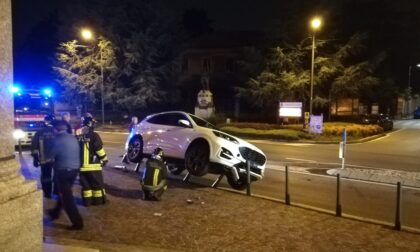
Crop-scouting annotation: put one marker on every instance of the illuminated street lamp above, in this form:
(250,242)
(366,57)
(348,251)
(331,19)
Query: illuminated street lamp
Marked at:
(88,35)
(315,25)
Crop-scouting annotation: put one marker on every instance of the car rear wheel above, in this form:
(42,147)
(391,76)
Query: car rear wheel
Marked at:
(239,184)
(197,159)
(135,149)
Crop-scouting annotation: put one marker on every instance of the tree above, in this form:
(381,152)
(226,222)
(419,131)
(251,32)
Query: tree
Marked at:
(78,68)
(339,73)
(144,48)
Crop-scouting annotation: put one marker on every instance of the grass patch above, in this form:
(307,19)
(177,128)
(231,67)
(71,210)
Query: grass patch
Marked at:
(332,132)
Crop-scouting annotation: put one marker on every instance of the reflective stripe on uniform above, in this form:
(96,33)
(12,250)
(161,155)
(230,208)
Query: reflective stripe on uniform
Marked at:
(97,193)
(101,153)
(85,154)
(155,177)
(87,194)
(91,167)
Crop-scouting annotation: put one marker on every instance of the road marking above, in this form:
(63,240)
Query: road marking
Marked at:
(278,143)
(305,160)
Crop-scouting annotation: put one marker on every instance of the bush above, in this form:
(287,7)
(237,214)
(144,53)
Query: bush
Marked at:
(331,131)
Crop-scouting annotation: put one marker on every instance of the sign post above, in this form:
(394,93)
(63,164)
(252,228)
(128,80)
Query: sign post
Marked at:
(306,121)
(342,151)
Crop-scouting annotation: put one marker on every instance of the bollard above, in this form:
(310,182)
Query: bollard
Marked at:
(287,196)
(398,210)
(248,178)
(338,205)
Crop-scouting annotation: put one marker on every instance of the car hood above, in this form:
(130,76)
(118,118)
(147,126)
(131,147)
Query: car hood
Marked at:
(242,142)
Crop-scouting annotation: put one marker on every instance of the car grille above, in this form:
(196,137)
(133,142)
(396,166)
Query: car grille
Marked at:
(251,155)
(252,168)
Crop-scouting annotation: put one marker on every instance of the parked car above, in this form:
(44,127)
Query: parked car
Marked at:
(416,113)
(382,120)
(194,144)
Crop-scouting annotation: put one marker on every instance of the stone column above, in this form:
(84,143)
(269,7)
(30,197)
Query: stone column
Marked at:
(20,201)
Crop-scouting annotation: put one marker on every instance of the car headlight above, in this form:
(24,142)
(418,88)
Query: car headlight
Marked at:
(225,136)
(18,134)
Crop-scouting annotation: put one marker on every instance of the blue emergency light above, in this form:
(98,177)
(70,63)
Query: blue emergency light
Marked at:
(47,92)
(14,89)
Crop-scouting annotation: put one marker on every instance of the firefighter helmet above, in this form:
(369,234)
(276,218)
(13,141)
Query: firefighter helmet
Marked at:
(88,121)
(158,154)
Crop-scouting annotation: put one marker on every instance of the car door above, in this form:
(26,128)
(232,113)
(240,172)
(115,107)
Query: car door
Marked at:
(153,131)
(179,136)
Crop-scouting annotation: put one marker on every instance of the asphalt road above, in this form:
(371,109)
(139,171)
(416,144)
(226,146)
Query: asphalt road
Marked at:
(307,186)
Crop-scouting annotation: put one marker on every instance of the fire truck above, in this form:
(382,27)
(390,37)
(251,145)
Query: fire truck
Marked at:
(30,107)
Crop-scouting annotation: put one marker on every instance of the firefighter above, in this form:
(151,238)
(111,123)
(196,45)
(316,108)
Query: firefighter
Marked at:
(93,159)
(154,181)
(41,151)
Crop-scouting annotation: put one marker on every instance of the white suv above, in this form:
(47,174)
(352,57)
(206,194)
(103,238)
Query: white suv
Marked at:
(192,143)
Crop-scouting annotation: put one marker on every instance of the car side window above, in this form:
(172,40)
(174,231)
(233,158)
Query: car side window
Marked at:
(164,119)
(178,117)
(170,119)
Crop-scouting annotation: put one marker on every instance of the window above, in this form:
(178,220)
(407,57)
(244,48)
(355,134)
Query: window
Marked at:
(163,119)
(170,119)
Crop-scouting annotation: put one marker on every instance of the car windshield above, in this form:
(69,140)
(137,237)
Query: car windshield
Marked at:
(201,122)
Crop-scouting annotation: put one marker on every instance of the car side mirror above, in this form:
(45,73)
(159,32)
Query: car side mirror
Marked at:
(184,123)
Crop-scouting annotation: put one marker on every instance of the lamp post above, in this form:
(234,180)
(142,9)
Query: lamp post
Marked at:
(315,24)
(88,35)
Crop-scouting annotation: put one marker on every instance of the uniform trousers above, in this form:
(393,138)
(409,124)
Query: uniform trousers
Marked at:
(64,180)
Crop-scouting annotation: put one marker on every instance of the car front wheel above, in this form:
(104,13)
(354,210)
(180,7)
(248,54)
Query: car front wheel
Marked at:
(135,150)
(239,184)
(197,159)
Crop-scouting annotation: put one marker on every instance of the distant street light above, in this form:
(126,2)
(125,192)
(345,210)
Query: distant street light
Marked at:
(315,25)
(88,35)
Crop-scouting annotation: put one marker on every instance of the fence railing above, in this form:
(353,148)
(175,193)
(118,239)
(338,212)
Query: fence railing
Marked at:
(393,205)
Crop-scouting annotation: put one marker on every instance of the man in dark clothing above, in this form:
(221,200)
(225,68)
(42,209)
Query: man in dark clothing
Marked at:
(93,159)
(67,117)
(154,181)
(41,151)
(66,152)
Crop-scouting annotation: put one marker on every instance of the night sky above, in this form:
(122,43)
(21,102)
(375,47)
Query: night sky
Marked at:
(394,26)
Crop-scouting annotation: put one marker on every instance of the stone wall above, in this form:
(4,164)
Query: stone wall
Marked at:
(20,201)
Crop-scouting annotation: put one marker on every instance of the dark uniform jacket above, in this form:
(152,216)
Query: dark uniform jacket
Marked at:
(92,151)
(154,176)
(42,145)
